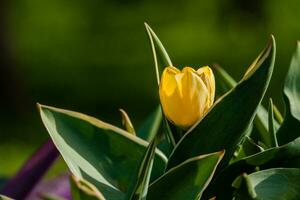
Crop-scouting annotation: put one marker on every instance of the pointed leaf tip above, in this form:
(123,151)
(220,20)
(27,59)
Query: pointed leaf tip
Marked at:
(255,83)
(127,122)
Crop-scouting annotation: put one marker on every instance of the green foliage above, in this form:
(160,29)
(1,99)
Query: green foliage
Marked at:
(291,126)
(83,190)
(96,151)
(225,82)
(140,185)
(215,158)
(236,107)
(283,156)
(151,125)
(271,184)
(187,180)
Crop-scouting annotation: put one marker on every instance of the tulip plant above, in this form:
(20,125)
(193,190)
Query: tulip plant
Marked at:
(192,146)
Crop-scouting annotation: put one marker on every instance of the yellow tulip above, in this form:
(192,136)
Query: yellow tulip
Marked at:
(186,95)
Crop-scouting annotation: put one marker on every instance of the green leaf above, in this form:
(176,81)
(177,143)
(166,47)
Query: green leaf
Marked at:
(226,82)
(282,156)
(249,147)
(98,152)
(223,80)
(290,128)
(140,186)
(160,55)
(187,180)
(83,190)
(162,60)
(150,126)
(273,184)
(227,122)
(271,126)
(127,122)
(245,190)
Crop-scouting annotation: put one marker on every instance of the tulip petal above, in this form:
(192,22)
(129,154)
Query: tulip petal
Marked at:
(208,77)
(184,95)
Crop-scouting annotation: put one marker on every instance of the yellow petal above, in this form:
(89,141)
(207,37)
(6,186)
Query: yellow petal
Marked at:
(185,95)
(168,81)
(207,76)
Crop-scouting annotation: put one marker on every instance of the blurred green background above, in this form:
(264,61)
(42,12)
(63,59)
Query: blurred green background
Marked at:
(93,56)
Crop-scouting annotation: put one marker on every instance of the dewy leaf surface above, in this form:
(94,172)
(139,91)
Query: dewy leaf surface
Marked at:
(186,181)
(98,152)
(226,123)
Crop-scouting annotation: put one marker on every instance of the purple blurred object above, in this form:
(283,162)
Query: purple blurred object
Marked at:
(58,187)
(31,173)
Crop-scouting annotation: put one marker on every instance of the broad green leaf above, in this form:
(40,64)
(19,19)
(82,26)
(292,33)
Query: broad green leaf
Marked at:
(187,180)
(282,156)
(98,152)
(290,128)
(140,187)
(271,126)
(2,197)
(273,184)
(83,190)
(127,122)
(226,82)
(227,122)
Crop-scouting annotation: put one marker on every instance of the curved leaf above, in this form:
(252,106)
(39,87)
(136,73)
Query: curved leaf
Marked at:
(228,120)
(245,190)
(140,186)
(226,82)
(282,156)
(98,152)
(271,126)
(150,126)
(273,184)
(187,180)
(290,128)
(160,55)
(127,122)
(248,147)
(83,190)
(162,60)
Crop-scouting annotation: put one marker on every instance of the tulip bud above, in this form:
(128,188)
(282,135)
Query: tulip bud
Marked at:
(186,95)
